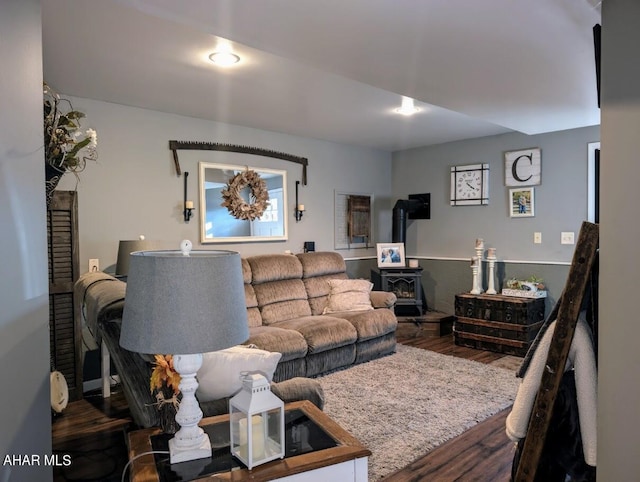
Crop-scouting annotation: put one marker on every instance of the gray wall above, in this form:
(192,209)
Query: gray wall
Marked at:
(25,418)
(445,243)
(133,188)
(619,359)
(560,200)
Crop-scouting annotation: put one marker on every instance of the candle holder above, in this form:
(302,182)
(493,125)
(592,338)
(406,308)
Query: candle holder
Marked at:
(475,290)
(256,422)
(188,205)
(479,252)
(491,260)
(299,211)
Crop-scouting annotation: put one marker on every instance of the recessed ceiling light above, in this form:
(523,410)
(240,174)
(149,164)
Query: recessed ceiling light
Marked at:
(224,59)
(407,107)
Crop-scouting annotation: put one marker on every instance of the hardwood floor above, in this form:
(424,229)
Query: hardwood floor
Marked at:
(93,432)
(481,454)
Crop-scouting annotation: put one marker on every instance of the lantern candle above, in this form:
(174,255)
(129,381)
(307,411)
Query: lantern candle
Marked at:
(257,436)
(491,253)
(479,243)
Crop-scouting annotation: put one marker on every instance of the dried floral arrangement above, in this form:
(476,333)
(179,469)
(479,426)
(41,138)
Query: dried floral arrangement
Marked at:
(258,196)
(165,382)
(532,283)
(164,374)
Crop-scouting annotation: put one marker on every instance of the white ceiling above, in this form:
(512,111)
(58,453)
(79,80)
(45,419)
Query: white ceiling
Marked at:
(336,69)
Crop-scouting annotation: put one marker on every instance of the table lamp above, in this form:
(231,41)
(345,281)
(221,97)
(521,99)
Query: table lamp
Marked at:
(185,303)
(128,246)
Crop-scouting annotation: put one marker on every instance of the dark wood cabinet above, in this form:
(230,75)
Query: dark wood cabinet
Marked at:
(504,324)
(65,333)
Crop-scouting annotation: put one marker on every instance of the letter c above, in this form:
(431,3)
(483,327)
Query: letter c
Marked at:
(514,168)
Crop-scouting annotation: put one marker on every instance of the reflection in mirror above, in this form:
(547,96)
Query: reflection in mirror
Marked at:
(218,225)
(353,220)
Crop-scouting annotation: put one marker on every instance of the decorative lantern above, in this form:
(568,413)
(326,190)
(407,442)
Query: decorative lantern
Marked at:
(256,418)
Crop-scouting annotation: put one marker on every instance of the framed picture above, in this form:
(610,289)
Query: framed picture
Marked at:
(521,203)
(522,168)
(390,255)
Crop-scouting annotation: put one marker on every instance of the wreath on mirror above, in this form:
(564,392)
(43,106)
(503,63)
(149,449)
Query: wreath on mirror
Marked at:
(258,195)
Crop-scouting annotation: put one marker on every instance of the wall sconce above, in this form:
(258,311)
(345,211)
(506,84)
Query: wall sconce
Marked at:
(188,205)
(299,207)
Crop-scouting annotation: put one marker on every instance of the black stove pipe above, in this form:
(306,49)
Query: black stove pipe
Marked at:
(399,221)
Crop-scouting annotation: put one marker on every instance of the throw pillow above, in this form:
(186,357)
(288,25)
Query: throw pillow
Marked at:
(348,295)
(219,376)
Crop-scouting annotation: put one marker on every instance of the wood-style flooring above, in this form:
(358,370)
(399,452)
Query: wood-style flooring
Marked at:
(93,432)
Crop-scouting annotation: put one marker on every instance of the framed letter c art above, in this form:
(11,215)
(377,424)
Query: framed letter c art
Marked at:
(522,168)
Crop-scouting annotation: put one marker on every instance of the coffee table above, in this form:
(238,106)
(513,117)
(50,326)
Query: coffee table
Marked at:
(317,449)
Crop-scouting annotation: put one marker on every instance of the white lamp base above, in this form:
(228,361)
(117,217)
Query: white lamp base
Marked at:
(179,454)
(190,442)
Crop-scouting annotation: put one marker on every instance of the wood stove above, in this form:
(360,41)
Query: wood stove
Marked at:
(405,283)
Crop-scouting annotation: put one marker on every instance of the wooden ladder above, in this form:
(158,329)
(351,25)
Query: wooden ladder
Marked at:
(567,318)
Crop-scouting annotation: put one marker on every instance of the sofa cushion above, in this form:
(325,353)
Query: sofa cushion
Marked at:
(246,271)
(219,376)
(371,324)
(290,343)
(274,267)
(253,313)
(322,332)
(254,318)
(348,295)
(317,269)
(318,291)
(277,283)
(321,263)
(282,300)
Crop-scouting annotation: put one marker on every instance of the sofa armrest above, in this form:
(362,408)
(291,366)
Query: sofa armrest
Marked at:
(299,388)
(292,390)
(383,299)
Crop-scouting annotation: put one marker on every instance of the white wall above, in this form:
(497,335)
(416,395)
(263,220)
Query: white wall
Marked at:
(619,359)
(25,410)
(133,188)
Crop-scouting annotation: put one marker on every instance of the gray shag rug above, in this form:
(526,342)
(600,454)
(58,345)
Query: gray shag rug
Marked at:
(403,405)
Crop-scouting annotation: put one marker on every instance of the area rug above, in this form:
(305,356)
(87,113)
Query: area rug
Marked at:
(403,405)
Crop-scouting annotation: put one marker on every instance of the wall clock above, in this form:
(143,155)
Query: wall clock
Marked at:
(470,185)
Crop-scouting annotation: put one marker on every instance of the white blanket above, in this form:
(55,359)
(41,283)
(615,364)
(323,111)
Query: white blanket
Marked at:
(582,359)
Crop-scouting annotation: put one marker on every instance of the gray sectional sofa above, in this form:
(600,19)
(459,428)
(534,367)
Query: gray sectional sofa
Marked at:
(287,298)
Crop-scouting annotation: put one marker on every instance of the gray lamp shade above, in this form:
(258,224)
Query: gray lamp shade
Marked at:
(126,247)
(177,304)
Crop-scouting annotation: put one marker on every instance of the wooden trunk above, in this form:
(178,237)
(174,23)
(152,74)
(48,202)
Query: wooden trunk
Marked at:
(503,324)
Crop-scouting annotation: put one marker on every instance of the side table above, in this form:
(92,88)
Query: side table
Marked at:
(317,449)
